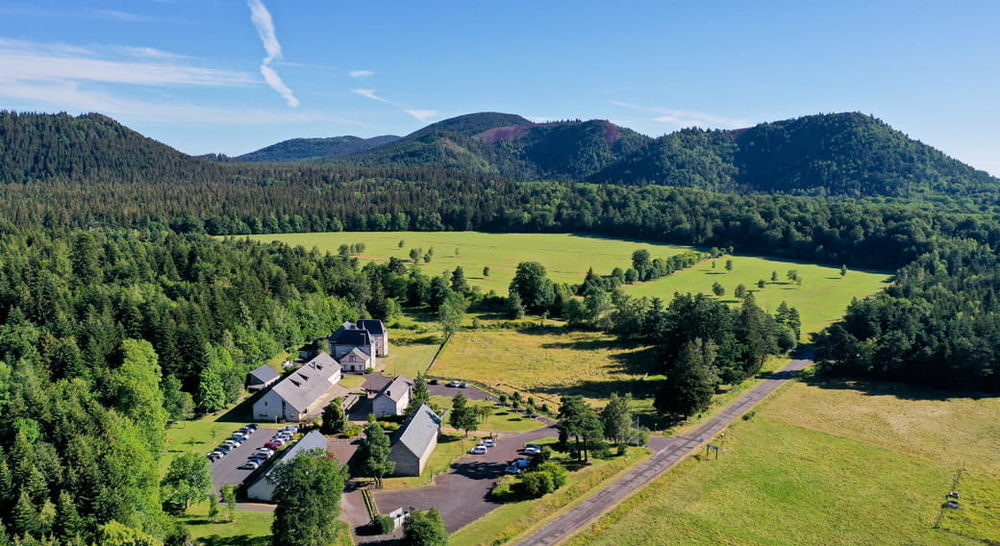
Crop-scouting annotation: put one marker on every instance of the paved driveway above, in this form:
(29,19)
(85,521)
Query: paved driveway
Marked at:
(225,469)
(673,450)
(460,494)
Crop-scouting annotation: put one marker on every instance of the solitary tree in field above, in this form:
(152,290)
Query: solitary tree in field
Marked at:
(617,418)
(761,284)
(229,497)
(843,271)
(486,271)
(451,312)
(740,292)
(462,415)
(402,243)
(774,276)
(718,290)
(729,265)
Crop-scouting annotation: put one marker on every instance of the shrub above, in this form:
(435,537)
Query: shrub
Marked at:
(537,483)
(384,524)
(749,415)
(558,472)
(505,489)
(546,454)
(352,430)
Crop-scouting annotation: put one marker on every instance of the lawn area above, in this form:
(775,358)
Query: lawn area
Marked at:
(409,353)
(500,420)
(250,528)
(550,362)
(566,256)
(513,519)
(979,514)
(821,299)
(881,458)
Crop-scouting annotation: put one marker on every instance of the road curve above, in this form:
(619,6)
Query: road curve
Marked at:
(677,447)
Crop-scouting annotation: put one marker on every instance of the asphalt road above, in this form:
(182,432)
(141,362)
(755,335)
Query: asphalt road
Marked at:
(675,449)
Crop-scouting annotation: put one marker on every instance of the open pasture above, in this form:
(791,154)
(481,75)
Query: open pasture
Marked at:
(881,457)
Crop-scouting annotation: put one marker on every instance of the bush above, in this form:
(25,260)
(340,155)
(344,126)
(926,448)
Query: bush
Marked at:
(352,430)
(546,454)
(538,483)
(749,415)
(506,489)
(558,472)
(383,524)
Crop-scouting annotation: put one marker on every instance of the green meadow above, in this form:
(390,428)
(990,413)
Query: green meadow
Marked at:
(828,463)
(821,298)
(566,256)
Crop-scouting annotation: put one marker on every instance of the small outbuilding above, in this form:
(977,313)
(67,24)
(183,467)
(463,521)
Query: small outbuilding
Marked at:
(262,488)
(415,442)
(393,398)
(262,378)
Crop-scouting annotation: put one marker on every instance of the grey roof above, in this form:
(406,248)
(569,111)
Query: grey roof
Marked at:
(350,336)
(419,431)
(373,326)
(312,440)
(264,374)
(305,385)
(395,388)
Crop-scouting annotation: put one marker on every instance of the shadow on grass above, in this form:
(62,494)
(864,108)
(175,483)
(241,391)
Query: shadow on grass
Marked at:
(902,391)
(241,413)
(239,540)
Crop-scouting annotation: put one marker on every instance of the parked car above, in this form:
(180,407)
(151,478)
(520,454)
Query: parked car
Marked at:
(532,449)
(511,469)
(453,384)
(265,451)
(520,462)
(489,442)
(232,443)
(223,449)
(214,456)
(249,465)
(291,428)
(253,426)
(478,450)
(463,385)
(433,382)
(274,444)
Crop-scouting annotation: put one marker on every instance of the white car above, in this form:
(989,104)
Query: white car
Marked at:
(532,450)
(232,443)
(249,465)
(478,450)
(489,442)
(291,428)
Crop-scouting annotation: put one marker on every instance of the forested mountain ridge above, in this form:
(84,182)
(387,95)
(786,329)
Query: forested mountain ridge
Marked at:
(300,149)
(86,147)
(830,154)
(848,154)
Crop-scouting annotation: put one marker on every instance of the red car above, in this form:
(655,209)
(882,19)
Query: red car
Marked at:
(272,445)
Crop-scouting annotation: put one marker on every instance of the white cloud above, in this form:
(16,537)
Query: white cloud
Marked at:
(36,62)
(262,21)
(370,93)
(685,118)
(361,73)
(422,115)
(124,16)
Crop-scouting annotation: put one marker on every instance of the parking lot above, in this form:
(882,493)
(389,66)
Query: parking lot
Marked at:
(226,470)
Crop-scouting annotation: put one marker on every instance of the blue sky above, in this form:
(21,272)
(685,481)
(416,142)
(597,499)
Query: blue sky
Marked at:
(231,76)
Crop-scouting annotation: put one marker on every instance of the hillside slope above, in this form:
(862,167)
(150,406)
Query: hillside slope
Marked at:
(299,149)
(837,154)
(86,147)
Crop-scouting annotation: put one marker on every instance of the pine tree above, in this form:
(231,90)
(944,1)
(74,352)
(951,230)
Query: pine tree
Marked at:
(25,519)
(690,381)
(374,452)
(458,282)
(462,416)
(418,395)
(68,523)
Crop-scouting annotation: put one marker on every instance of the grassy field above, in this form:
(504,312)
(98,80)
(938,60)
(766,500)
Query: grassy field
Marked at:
(549,362)
(821,298)
(566,257)
(501,420)
(250,528)
(880,458)
(513,519)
